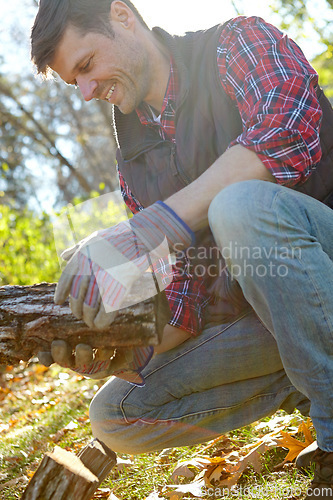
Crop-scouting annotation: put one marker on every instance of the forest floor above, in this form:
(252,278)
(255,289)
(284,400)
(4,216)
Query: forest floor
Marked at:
(43,407)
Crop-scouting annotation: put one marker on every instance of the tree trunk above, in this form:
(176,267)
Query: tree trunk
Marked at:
(30,321)
(64,476)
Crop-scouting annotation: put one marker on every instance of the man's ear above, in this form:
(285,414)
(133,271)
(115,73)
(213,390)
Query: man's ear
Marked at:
(121,13)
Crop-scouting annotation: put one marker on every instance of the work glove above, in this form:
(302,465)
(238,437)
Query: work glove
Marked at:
(99,363)
(102,268)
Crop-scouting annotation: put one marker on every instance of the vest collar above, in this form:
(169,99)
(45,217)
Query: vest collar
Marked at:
(179,56)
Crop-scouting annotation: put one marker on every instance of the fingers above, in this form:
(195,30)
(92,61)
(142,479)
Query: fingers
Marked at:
(122,359)
(64,285)
(89,314)
(103,354)
(69,252)
(45,358)
(76,303)
(61,353)
(103,319)
(84,355)
(83,358)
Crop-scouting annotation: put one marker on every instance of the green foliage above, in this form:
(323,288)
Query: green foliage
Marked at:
(304,20)
(78,220)
(30,242)
(324,66)
(27,248)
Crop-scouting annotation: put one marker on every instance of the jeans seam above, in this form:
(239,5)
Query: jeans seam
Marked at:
(121,405)
(325,313)
(214,410)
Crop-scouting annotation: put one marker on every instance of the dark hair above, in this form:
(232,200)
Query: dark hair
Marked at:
(54,16)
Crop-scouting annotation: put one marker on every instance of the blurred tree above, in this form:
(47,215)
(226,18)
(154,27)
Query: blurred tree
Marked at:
(49,125)
(303,17)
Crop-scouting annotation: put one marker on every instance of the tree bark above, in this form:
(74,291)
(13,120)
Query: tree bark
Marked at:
(64,476)
(30,321)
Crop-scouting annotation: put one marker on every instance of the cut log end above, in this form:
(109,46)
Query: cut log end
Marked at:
(64,476)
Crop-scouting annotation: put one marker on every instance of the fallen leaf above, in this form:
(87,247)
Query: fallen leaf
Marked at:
(4,391)
(214,442)
(178,491)
(71,426)
(295,446)
(22,479)
(61,432)
(113,497)
(102,493)
(12,459)
(164,456)
(278,422)
(122,465)
(305,427)
(232,465)
(184,469)
(39,369)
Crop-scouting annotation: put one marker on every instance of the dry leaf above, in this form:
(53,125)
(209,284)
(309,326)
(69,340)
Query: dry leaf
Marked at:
(102,493)
(113,497)
(305,427)
(22,480)
(185,468)
(214,442)
(278,422)
(195,489)
(122,465)
(295,446)
(164,456)
(233,464)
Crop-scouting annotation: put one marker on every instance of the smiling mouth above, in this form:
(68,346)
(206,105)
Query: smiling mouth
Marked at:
(109,94)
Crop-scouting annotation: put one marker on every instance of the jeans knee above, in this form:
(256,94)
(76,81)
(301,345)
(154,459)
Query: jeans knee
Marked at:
(234,214)
(101,420)
(109,425)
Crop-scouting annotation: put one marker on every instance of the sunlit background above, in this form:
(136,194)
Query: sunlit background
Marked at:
(176,16)
(70,133)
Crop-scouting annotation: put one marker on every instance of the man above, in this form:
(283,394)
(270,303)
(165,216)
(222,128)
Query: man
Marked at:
(218,131)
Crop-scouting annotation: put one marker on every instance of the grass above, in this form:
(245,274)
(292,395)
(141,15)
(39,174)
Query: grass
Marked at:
(43,407)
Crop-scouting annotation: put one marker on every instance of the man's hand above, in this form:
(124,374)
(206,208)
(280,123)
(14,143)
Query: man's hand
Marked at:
(124,363)
(102,268)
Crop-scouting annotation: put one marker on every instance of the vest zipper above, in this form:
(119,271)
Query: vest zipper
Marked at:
(176,169)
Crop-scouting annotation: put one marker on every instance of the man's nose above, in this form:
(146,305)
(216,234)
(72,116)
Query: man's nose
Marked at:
(87,87)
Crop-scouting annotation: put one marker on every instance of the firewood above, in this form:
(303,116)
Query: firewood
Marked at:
(30,321)
(62,475)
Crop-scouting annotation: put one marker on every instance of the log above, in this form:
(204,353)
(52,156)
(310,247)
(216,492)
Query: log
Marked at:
(30,321)
(62,475)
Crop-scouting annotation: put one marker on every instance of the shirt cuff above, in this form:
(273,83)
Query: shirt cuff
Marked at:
(187,301)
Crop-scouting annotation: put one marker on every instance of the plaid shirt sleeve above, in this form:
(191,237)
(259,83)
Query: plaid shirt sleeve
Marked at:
(274,86)
(187,296)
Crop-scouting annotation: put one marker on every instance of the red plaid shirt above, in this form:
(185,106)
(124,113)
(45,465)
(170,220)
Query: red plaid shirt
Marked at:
(274,87)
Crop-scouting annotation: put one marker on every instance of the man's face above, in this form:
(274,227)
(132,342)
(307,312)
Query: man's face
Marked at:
(114,69)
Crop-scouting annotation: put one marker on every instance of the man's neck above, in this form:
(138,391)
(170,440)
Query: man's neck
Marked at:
(160,72)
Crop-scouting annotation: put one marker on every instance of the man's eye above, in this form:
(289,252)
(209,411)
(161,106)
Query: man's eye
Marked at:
(86,66)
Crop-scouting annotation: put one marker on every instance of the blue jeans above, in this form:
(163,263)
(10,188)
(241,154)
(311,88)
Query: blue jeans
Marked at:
(278,245)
